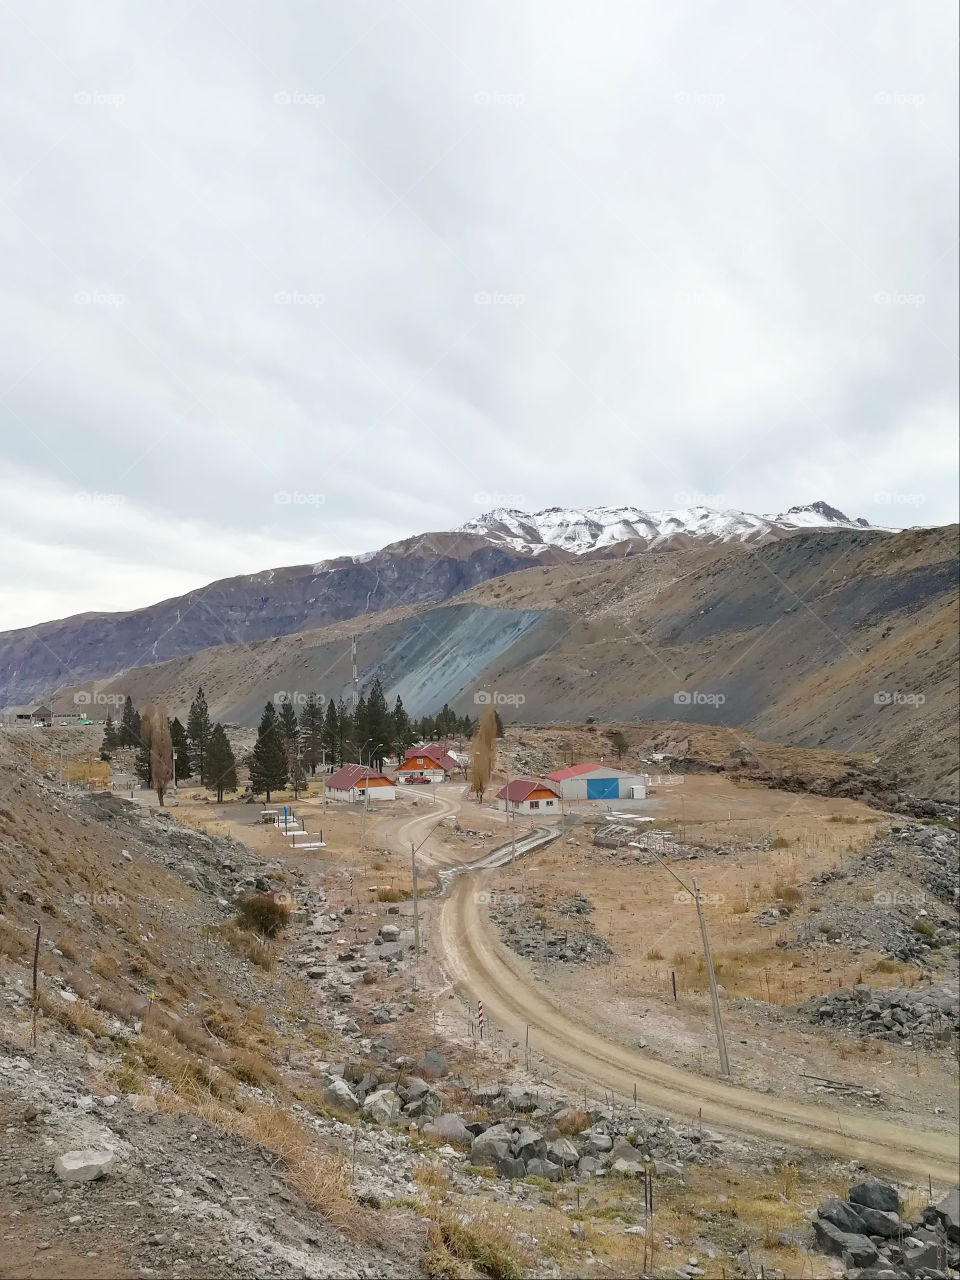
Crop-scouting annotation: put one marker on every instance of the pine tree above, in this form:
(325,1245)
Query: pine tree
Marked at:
(360,731)
(345,730)
(181,747)
(288,724)
(198,731)
(110,739)
(129,728)
(141,765)
(268,762)
(331,732)
(312,732)
(221,764)
(402,730)
(378,723)
(499,724)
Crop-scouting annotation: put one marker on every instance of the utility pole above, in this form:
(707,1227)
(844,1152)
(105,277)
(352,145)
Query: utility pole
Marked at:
(714,994)
(416,901)
(718,1023)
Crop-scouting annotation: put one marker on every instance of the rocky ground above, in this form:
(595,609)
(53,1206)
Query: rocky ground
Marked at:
(525,926)
(203,1103)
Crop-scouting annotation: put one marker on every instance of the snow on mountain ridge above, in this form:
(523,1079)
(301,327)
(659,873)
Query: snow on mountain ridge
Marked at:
(580,530)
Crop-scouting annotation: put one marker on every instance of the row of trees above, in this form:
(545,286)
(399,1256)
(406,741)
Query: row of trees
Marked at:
(168,751)
(287,747)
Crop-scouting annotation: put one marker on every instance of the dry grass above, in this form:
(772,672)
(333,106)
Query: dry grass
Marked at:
(483,1241)
(263,914)
(260,951)
(573,1122)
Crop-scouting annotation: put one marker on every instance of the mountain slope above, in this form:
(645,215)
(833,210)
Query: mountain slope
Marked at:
(838,639)
(428,567)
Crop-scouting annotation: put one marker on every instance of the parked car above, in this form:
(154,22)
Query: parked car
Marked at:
(418,778)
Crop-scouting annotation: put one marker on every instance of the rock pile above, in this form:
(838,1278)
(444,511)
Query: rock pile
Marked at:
(526,930)
(867,1231)
(927,1014)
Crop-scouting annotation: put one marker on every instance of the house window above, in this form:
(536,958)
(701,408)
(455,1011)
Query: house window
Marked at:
(534,804)
(549,804)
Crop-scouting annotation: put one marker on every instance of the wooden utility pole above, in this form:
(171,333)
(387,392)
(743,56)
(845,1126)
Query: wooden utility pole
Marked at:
(714,997)
(416,902)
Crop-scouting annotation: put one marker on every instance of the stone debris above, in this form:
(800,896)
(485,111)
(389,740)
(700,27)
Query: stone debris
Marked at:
(83,1166)
(926,1014)
(867,1232)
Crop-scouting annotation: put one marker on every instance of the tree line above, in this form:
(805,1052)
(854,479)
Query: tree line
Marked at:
(325,734)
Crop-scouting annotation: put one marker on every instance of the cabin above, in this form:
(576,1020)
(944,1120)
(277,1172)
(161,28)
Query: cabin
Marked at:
(529,795)
(432,762)
(356,783)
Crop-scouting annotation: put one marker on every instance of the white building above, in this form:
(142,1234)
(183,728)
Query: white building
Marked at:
(593,781)
(529,795)
(352,782)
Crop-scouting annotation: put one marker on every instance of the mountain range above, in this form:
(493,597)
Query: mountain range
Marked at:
(807,628)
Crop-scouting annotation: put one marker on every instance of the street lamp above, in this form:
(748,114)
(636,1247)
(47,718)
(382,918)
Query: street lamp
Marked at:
(694,890)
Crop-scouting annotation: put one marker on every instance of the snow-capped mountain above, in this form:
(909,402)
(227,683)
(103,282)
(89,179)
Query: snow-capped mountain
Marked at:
(592,528)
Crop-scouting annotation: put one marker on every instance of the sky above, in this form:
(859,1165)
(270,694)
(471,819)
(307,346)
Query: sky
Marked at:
(290,280)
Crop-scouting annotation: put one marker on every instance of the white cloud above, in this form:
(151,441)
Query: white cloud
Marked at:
(246,243)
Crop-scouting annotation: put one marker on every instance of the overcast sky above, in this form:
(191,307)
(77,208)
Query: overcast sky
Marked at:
(402,261)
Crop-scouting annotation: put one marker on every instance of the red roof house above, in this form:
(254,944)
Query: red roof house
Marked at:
(529,795)
(352,781)
(431,761)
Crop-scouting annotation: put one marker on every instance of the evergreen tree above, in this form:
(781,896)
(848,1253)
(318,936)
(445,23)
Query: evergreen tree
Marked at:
(378,724)
(331,732)
(198,731)
(220,762)
(618,740)
(129,727)
(499,723)
(110,739)
(141,764)
(268,762)
(288,724)
(402,729)
(181,747)
(312,732)
(345,730)
(360,732)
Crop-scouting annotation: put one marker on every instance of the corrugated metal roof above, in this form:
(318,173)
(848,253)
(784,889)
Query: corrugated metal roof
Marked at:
(558,775)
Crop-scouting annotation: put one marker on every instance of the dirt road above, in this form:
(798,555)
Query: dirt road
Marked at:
(482,967)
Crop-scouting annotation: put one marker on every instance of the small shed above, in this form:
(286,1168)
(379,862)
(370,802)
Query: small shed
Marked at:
(41,715)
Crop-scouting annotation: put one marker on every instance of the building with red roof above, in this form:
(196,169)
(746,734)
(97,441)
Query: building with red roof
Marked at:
(432,762)
(594,781)
(354,782)
(529,795)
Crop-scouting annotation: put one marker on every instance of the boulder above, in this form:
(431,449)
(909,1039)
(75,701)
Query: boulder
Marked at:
(588,1165)
(433,1064)
(627,1168)
(383,1106)
(519,1099)
(389,932)
(492,1144)
(543,1169)
(510,1167)
(450,1127)
(624,1150)
(925,1255)
(598,1143)
(530,1145)
(414,1088)
(667,1169)
(84,1165)
(948,1211)
(860,1249)
(562,1151)
(875,1195)
(338,1093)
(878,1222)
(842,1215)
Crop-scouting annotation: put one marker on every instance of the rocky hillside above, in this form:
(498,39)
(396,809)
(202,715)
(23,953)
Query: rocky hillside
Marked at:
(430,567)
(837,638)
(243,610)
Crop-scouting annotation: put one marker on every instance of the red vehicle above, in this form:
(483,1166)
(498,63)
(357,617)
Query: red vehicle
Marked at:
(418,778)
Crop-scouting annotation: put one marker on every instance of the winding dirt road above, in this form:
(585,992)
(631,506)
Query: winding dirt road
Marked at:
(481,967)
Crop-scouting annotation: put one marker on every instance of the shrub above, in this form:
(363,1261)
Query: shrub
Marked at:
(788,893)
(262,913)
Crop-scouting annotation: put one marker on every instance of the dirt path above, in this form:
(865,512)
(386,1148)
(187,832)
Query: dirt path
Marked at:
(480,965)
